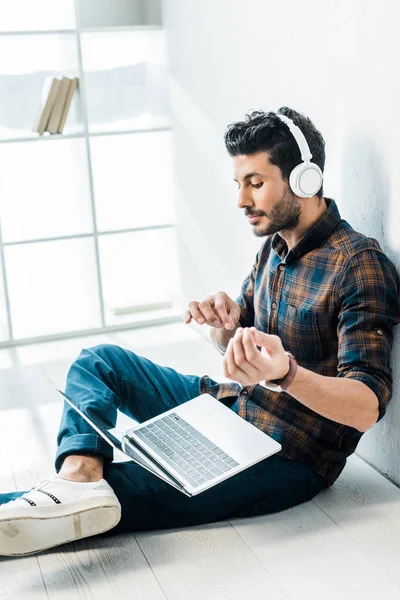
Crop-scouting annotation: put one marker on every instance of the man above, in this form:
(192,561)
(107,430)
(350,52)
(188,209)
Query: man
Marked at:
(314,320)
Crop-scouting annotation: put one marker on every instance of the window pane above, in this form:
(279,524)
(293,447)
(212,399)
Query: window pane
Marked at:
(53,287)
(25,63)
(52,198)
(28,15)
(139,273)
(126,80)
(133,180)
(115,13)
(4,334)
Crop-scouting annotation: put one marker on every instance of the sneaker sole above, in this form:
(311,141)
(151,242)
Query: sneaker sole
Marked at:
(22,535)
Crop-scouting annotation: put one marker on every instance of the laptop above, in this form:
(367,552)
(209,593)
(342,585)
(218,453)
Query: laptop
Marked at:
(193,446)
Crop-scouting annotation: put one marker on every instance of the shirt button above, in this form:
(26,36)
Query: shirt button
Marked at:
(274,305)
(245,392)
(281,267)
(379,331)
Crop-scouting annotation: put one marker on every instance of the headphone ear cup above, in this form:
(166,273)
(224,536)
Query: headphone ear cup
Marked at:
(306,180)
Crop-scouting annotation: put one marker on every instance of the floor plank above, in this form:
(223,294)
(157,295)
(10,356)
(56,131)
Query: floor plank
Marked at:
(207,562)
(311,557)
(366,506)
(21,579)
(99,568)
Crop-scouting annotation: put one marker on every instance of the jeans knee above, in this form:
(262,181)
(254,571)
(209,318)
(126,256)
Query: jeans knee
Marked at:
(111,353)
(102,349)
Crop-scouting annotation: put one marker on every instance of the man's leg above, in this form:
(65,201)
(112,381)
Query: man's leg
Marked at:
(106,377)
(102,379)
(4,498)
(272,485)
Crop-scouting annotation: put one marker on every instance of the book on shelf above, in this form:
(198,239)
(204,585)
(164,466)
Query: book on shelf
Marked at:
(49,94)
(73,84)
(58,106)
(57,96)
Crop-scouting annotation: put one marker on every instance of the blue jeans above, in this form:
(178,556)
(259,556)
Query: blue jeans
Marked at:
(107,377)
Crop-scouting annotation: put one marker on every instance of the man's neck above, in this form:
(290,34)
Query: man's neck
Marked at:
(311,212)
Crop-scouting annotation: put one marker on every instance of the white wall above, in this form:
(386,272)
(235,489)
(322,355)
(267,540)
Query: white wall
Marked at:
(336,61)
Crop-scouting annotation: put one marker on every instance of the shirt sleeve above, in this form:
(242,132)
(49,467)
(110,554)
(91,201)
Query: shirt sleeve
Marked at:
(369,309)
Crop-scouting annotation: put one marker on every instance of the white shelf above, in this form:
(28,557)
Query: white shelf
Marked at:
(116,29)
(85,235)
(120,28)
(122,91)
(43,138)
(63,136)
(146,320)
(39,32)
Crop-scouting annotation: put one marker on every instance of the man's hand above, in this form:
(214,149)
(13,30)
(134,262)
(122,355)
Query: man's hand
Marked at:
(218,310)
(245,364)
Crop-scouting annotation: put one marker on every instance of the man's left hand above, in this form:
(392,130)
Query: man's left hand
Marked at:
(246,364)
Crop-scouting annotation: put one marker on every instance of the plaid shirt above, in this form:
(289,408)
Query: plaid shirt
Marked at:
(333,300)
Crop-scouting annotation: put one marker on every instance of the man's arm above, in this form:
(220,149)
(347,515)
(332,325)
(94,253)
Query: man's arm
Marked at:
(368,293)
(345,401)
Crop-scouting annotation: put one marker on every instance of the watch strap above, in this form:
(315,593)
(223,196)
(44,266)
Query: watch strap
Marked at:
(284,382)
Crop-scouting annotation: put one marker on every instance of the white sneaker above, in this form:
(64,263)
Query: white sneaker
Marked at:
(56,512)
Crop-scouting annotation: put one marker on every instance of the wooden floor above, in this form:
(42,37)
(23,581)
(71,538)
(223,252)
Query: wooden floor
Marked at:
(343,545)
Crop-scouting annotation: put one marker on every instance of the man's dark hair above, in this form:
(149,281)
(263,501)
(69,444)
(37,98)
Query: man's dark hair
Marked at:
(265,132)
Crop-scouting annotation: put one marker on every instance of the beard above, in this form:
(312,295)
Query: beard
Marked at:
(285,216)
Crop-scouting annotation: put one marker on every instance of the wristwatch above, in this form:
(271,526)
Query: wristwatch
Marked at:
(282,384)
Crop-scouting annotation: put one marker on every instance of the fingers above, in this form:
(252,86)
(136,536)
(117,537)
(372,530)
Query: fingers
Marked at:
(238,350)
(231,369)
(242,358)
(245,352)
(271,343)
(243,361)
(222,309)
(195,313)
(202,313)
(227,310)
(217,310)
(207,309)
(251,353)
(234,312)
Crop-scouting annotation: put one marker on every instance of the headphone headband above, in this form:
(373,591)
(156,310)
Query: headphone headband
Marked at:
(298,135)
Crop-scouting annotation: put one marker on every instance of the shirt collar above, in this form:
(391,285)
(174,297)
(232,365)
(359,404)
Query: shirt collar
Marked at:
(313,238)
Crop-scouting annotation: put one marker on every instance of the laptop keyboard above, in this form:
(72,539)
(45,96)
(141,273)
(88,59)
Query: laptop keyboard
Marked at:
(185,449)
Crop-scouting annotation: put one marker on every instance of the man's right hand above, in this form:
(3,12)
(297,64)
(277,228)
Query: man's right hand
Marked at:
(218,310)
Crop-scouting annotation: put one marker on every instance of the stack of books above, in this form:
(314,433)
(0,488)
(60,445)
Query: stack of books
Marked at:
(56,100)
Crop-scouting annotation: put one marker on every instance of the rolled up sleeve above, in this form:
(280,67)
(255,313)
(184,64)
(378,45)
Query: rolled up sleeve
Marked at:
(369,291)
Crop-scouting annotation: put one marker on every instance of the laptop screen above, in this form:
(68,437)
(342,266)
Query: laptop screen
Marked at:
(98,424)
(116,439)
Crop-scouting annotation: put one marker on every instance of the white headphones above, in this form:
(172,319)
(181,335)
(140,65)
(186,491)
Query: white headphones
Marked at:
(305,180)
